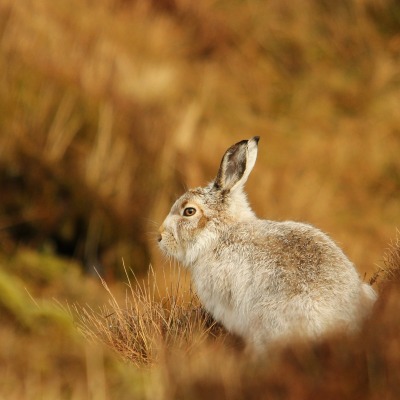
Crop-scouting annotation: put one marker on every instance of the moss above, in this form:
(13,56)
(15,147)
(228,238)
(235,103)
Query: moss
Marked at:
(14,301)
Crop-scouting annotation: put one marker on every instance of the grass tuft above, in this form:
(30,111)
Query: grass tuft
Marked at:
(145,324)
(391,260)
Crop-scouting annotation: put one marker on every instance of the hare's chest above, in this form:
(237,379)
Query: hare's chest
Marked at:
(218,295)
(213,287)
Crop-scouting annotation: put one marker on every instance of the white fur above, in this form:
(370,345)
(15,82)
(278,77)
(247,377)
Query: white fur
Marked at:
(263,280)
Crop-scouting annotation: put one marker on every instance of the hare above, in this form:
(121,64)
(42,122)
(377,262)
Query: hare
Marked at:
(265,281)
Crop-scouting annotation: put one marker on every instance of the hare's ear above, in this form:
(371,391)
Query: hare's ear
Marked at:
(236,165)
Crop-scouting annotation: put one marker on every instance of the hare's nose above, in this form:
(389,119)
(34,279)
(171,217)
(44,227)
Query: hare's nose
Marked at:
(160,231)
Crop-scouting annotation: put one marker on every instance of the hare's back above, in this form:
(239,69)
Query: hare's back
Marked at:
(287,274)
(297,253)
(298,245)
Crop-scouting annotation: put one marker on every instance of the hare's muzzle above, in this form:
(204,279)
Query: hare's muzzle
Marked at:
(160,231)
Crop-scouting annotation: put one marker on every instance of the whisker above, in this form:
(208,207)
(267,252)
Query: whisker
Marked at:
(151,234)
(152,222)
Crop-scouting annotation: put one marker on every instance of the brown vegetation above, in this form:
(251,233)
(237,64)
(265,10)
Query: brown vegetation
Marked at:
(108,108)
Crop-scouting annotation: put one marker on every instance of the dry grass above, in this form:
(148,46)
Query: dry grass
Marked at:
(146,325)
(108,109)
(392,261)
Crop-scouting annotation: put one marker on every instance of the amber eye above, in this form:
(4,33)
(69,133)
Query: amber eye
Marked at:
(189,211)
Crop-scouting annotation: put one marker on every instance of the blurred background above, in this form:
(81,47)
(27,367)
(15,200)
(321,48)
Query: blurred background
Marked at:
(109,109)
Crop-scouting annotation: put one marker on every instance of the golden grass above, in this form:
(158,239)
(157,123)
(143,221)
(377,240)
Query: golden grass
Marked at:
(109,109)
(147,323)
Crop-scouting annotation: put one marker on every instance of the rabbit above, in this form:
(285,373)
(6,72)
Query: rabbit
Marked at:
(264,281)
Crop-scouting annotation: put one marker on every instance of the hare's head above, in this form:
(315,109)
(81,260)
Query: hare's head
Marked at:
(200,215)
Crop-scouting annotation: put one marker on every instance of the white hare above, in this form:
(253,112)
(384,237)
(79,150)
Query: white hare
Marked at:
(266,281)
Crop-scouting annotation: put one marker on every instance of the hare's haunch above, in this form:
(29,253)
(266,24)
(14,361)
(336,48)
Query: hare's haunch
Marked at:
(263,280)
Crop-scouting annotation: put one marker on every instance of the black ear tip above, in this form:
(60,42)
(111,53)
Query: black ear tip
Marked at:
(256,138)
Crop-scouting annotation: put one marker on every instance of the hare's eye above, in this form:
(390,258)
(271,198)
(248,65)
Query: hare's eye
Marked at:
(189,211)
